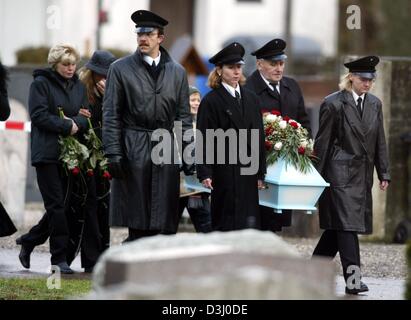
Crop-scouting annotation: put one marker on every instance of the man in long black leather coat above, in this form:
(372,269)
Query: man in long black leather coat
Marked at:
(145,91)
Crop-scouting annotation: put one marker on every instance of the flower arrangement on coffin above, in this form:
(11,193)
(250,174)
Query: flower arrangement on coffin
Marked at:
(286,138)
(73,154)
(96,158)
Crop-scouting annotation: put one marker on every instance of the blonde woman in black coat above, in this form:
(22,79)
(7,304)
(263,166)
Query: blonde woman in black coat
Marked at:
(53,87)
(229,106)
(350,143)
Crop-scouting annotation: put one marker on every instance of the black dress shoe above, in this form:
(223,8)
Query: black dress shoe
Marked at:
(24,255)
(363,288)
(64,268)
(88,270)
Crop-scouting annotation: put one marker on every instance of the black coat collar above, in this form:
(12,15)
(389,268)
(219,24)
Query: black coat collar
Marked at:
(260,85)
(231,107)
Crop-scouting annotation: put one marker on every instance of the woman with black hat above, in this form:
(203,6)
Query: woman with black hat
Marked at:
(94,235)
(350,143)
(7,227)
(232,108)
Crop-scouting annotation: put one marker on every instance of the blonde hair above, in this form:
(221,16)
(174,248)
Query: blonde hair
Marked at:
(345,82)
(214,79)
(63,53)
(86,76)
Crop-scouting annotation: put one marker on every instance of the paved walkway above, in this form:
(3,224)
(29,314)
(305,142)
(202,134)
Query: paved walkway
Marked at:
(10,266)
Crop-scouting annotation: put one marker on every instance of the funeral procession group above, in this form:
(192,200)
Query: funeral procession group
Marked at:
(114,142)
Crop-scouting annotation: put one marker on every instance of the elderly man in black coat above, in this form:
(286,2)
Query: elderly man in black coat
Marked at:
(276,92)
(350,143)
(145,91)
(6,225)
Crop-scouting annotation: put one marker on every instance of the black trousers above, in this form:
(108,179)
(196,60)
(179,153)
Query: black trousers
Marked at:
(344,242)
(200,215)
(88,219)
(52,187)
(272,221)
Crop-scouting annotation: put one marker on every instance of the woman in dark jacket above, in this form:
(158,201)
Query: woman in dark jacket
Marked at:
(52,88)
(350,143)
(95,235)
(231,107)
(7,227)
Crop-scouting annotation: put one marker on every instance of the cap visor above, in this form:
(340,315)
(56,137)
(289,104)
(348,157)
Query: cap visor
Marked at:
(144,29)
(280,57)
(367,75)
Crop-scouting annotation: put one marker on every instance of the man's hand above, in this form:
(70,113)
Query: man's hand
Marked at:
(207,183)
(384,185)
(85,112)
(261,185)
(115,167)
(74,128)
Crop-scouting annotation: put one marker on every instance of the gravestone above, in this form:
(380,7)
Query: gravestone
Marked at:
(13,165)
(247,264)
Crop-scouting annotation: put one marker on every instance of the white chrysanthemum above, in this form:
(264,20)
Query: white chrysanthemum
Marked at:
(278,146)
(283,124)
(271,118)
(303,143)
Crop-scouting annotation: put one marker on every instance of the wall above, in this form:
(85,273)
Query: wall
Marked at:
(218,20)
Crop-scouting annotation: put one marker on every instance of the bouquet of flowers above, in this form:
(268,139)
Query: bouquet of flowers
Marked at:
(97,158)
(73,154)
(286,138)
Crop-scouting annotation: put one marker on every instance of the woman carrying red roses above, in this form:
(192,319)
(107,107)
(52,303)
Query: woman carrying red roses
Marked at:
(53,88)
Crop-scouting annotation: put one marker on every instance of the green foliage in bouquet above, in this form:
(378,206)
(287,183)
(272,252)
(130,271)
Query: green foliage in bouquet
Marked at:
(73,154)
(96,158)
(286,138)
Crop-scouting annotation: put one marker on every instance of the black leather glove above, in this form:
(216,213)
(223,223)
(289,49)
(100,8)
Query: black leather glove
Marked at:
(116,167)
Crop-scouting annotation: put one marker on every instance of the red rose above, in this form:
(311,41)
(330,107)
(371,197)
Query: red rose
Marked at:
(268,145)
(107,175)
(264,111)
(301,150)
(75,171)
(286,118)
(294,124)
(269,131)
(90,172)
(276,112)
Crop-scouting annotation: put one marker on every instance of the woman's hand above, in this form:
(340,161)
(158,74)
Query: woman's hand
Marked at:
(384,185)
(74,128)
(101,86)
(207,183)
(85,112)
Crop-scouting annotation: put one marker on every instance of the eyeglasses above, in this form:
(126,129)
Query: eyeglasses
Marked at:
(151,34)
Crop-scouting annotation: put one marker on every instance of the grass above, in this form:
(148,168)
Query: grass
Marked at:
(36,289)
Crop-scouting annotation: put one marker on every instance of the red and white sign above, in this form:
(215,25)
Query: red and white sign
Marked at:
(15,125)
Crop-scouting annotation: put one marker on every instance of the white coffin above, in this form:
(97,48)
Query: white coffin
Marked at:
(287,188)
